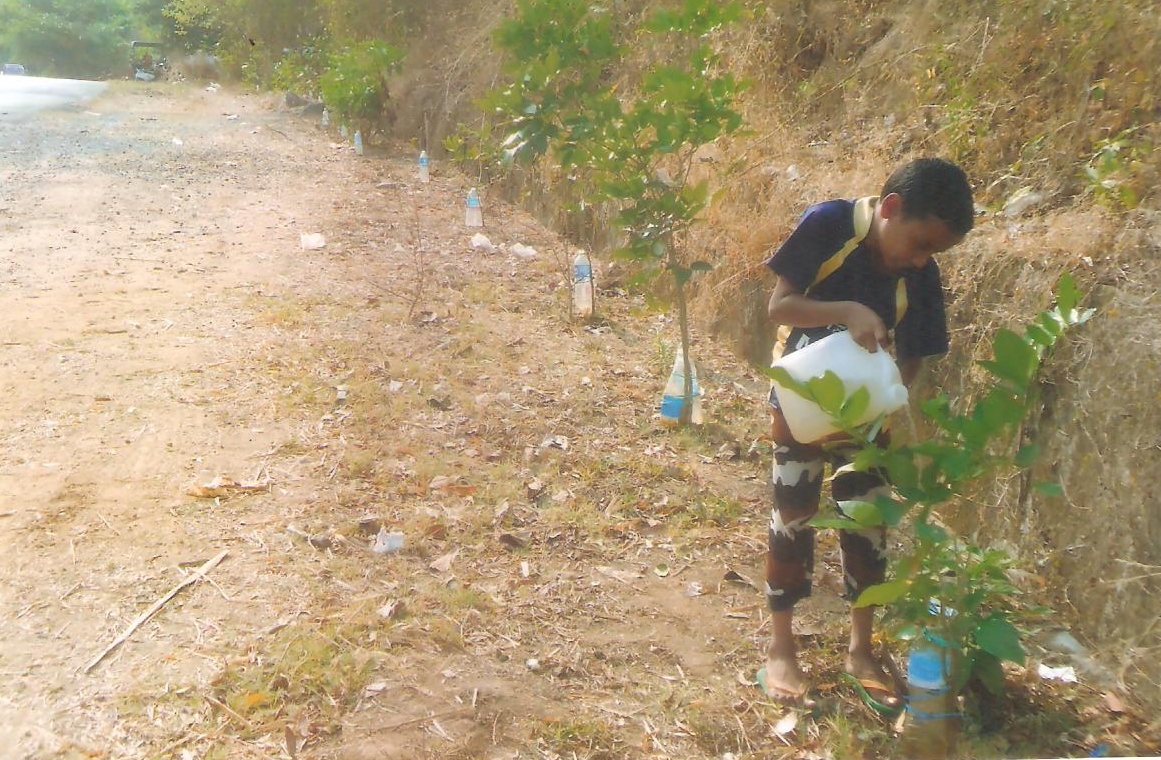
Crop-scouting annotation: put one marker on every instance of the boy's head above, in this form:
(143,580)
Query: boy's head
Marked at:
(925,207)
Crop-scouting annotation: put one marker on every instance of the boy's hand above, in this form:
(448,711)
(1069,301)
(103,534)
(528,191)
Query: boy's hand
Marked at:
(866,328)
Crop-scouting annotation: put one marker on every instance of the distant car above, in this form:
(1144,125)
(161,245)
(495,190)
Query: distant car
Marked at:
(12,69)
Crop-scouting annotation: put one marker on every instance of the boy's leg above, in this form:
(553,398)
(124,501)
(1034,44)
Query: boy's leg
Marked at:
(864,559)
(797,487)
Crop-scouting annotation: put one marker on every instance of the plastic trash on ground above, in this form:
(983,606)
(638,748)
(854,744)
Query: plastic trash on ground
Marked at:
(481,241)
(312,241)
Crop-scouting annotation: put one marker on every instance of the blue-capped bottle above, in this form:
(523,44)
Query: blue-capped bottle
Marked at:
(582,286)
(932,710)
(424,169)
(474,211)
(673,399)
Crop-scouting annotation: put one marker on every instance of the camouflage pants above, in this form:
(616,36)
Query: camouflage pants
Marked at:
(797,484)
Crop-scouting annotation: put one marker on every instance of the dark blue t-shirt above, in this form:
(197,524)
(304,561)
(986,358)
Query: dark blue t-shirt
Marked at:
(827,259)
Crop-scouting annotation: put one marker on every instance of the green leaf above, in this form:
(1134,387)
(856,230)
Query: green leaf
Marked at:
(891,510)
(1052,322)
(1049,488)
(701,266)
(1040,335)
(1067,295)
(864,514)
(852,410)
(828,392)
(1015,360)
(931,533)
(999,409)
(903,472)
(1026,455)
(883,593)
(998,637)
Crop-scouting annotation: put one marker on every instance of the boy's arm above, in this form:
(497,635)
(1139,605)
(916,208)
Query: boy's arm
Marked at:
(789,306)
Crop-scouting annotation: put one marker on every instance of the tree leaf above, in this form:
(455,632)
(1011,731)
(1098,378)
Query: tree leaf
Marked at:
(864,514)
(883,593)
(1067,295)
(1049,488)
(998,637)
(1026,455)
(828,392)
(854,407)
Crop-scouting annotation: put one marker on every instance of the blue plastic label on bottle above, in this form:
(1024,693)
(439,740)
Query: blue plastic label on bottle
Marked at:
(582,273)
(671,406)
(925,668)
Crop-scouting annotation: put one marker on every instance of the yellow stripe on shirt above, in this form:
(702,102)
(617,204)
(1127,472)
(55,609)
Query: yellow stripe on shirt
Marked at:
(863,214)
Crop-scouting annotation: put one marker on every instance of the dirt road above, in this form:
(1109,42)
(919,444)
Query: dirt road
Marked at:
(141,232)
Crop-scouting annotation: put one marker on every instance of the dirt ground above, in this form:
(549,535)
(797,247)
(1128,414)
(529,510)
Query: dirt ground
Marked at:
(185,378)
(153,259)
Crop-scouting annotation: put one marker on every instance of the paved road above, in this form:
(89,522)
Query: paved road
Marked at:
(22,95)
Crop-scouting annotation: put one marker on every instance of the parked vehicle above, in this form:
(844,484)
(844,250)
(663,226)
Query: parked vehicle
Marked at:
(13,69)
(147,60)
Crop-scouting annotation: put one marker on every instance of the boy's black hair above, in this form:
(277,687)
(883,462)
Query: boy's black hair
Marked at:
(934,187)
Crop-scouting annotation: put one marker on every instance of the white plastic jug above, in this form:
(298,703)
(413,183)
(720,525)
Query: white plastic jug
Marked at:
(855,366)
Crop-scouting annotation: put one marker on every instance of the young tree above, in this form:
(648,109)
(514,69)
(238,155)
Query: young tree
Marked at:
(945,586)
(632,145)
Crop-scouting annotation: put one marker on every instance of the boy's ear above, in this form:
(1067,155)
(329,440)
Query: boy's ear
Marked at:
(891,206)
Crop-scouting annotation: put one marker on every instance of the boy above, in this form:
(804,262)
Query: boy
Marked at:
(866,266)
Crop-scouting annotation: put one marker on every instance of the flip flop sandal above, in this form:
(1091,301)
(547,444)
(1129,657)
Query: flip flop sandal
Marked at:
(783,696)
(865,687)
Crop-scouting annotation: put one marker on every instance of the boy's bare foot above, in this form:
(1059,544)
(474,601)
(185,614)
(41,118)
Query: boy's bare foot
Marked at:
(874,678)
(783,681)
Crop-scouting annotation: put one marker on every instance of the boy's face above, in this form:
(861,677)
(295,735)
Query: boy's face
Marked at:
(907,243)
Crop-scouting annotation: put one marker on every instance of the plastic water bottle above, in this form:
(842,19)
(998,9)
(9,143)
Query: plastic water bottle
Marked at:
(326,118)
(582,286)
(424,171)
(343,131)
(855,366)
(673,399)
(358,142)
(474,216)
(931,708)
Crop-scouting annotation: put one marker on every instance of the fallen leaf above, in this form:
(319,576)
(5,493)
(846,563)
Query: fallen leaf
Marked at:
(661,570)
(735,577)
(444,563)
(514,540)
(1115,703)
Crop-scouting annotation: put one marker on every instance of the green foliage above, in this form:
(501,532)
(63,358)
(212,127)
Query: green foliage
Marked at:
(976,601)
(63,38)
(300,70)
(1113,169)
(354,86)
(629,146)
